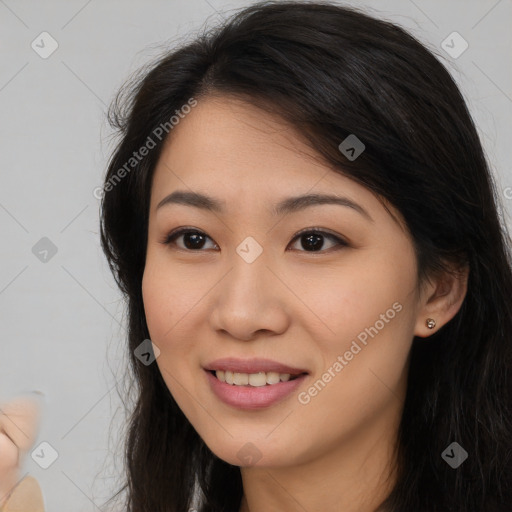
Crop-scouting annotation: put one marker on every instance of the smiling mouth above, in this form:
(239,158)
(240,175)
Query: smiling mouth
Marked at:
(259,379)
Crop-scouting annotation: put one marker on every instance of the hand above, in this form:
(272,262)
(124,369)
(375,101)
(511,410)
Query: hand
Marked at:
(19,425)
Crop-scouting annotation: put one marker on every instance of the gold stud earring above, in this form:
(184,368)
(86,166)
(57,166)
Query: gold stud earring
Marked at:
(430,323)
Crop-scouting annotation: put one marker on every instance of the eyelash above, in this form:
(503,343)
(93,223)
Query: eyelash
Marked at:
(171,237)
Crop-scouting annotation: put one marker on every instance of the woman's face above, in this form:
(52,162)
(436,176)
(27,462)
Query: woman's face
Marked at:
(342,313)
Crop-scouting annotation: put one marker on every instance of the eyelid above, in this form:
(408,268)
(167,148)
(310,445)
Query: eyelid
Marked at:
(340,241)
(170,237)
(321,231)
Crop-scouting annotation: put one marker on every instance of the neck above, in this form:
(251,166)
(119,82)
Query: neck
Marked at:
(356,476)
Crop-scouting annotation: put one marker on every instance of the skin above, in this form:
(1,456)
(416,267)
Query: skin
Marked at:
(293,304)
(19,425)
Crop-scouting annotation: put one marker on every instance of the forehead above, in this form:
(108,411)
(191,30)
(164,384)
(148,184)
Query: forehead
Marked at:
(230,146)
(234,139)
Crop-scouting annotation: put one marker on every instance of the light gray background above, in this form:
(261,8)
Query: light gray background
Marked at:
(62,321)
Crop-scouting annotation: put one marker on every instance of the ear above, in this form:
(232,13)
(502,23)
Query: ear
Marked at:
(441,299)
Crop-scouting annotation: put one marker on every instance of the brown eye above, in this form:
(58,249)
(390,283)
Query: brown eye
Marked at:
(193,240)
(312,240)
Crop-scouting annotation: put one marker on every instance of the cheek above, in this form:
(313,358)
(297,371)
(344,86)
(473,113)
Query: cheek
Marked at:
(168,298)
(369,310)
(364,379)
(370,313)
(157,304)
(349,298)
(163,309)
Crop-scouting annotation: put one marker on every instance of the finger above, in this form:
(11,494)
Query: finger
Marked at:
(20,419)
(9,470)
(27,496)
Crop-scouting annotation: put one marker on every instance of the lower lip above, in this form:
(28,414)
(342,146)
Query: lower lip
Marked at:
(252,397)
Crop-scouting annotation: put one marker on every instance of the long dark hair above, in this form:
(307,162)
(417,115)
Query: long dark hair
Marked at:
(332,71)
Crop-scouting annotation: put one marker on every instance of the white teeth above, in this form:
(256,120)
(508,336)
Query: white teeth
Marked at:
(252,379)
(241,379)
(272,377)
(258,379)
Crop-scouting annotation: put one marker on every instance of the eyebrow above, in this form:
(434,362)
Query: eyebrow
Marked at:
(287,205)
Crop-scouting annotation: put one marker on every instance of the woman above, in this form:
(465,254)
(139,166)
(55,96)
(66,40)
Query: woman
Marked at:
(412,290)
(302,220)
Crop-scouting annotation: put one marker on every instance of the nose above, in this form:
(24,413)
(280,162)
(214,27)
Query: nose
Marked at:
(249,301)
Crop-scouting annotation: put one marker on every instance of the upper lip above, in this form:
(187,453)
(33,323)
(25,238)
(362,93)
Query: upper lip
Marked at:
(252,366)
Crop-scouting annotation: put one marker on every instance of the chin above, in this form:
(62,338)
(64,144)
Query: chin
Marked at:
(256,453)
